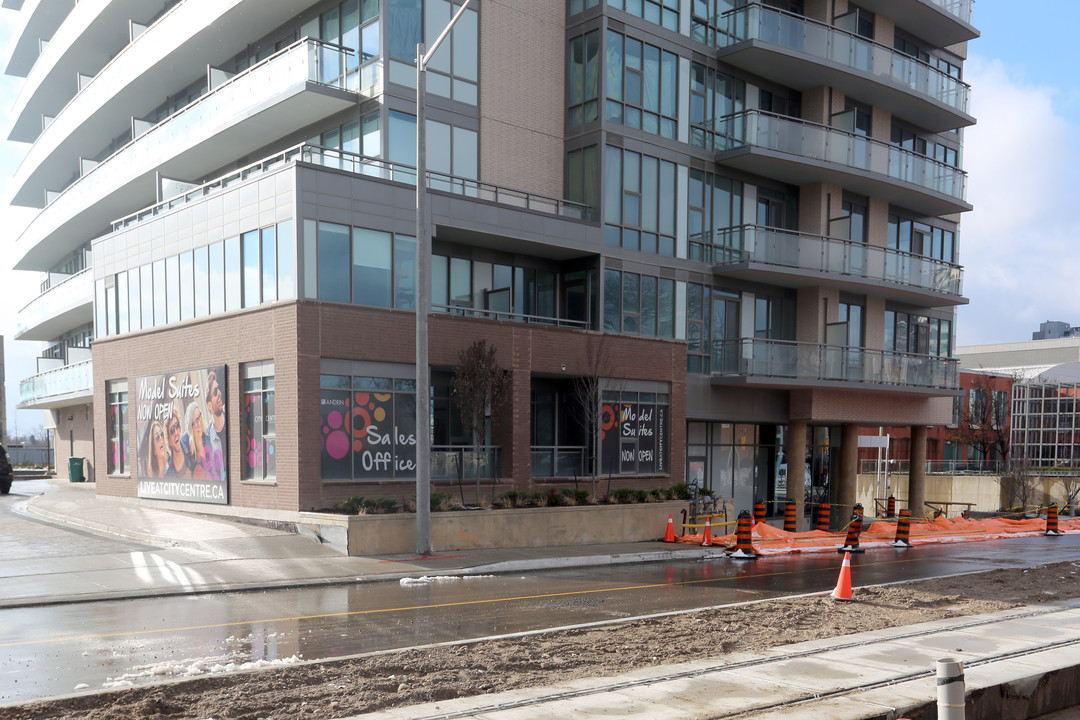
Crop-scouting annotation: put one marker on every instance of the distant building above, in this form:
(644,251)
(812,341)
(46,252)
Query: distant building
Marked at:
(1052,329)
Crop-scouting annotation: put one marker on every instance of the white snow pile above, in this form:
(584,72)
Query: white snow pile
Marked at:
(192,667)
(428,579)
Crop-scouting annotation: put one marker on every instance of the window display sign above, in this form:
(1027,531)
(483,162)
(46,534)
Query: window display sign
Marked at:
(182,435)
(634,437)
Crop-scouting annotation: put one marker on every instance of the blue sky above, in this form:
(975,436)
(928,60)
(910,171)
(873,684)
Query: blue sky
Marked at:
(1018,247)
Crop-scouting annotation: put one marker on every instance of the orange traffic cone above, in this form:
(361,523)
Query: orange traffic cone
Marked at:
(669,535)
(843,584)
(707,539)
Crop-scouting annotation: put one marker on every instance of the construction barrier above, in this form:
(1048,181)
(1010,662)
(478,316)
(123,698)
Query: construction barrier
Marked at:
(669,534)
(903,529)
(706,541)
(759,511)
(823,519)
(789,516)
(851,543)
(744,550)
(890,507)
(1052,521)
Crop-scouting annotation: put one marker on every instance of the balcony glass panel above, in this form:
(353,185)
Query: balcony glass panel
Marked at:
(75,290)
(821,142)
(959,8)
(771,246)
(75,379)
(755,357)
(769,25)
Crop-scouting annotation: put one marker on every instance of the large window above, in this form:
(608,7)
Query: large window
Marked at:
(583,79)
(366,267)
(368,428)
(583,178)
(639,202)
(661,12)
(713,95)
(715,204)
(117,427)
(639,304)
(642,85)
(254,268)
(258,458)
(918,334)
(634,433)
(921,238)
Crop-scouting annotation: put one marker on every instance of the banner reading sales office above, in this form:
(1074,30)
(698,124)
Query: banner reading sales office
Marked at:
(182,435)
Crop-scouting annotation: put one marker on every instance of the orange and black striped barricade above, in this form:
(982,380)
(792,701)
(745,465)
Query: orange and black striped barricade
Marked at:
(903,530)
(759,511)
(823,511)
(744,550)
(858,509)
(1052,521)
(851,543)
(789,516)
(890,506)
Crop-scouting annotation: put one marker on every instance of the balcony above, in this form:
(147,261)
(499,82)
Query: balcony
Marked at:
(803,53)
(939,22)
(58,388)
(291,89)
(800,153)
(63,306)
(785,363)
(793,259)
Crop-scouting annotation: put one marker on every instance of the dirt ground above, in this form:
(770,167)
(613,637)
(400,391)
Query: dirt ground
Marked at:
(335,689)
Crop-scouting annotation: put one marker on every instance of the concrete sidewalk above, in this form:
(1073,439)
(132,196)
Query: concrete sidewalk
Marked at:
(192,553)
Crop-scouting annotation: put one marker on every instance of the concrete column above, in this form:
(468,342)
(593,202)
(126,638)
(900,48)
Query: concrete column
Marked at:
(917,472)
(849,469)
(795,452)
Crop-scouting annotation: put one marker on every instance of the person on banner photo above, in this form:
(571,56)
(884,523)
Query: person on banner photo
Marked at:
(215,427)
(157,451)
(194,440)
(178,460)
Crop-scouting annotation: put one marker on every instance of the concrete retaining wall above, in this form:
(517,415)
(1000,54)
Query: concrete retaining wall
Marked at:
(483,529)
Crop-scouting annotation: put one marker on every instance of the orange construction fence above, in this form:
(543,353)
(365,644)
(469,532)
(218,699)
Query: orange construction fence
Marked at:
(769,540)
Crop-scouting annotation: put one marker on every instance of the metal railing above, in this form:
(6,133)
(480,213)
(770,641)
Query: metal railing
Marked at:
(828,42)
(467,311)
(757,357)
(959,8)
(814,141)
(548,461)
(787,248)
(361,165)
(934,467)
(449,462)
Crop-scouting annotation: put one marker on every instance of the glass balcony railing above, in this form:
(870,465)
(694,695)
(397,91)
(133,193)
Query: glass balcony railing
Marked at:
(827,42)
(785,359)
(822,143)
(73,291)
(75,380)
(959,8)
(816,253)
(362,165)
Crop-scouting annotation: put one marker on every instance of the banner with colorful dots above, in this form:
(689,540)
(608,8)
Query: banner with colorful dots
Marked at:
(368,433)
(182,435)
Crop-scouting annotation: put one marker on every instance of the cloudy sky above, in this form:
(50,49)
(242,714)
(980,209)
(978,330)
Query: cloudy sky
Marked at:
(1023,156)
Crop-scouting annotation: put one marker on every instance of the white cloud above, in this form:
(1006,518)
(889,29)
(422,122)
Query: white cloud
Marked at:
(1018,245)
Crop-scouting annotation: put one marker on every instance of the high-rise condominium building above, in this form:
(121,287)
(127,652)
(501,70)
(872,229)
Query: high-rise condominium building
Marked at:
(735,221)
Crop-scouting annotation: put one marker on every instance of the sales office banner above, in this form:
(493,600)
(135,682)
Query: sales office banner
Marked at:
(182,435)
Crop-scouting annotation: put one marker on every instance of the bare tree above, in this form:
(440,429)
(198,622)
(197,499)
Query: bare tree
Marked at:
(587,389)
(984,419)
(480,386)
(1019,484)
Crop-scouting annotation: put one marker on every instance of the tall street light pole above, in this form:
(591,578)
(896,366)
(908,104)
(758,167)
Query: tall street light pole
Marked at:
(423,298)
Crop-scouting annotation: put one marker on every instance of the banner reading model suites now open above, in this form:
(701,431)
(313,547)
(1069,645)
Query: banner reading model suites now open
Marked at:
(182,435)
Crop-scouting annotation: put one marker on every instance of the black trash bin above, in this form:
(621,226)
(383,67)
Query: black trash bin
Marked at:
(75,469)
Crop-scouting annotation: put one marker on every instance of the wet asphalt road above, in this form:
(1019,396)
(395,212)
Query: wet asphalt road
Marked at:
(55,650)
